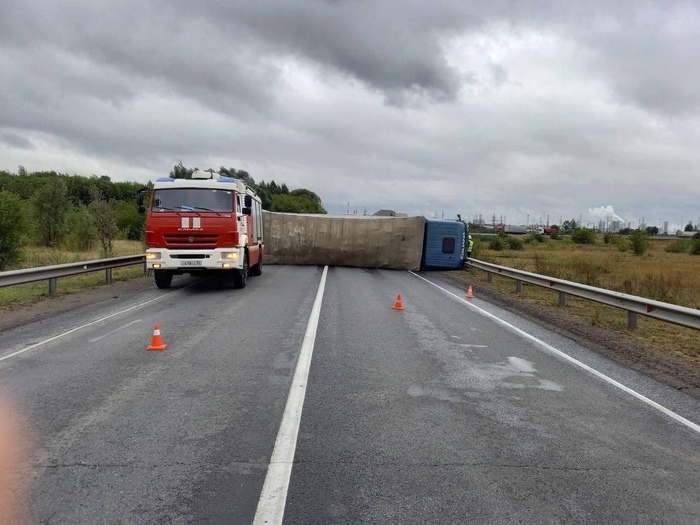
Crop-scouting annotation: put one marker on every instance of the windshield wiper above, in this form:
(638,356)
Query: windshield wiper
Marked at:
(167,209)
(206,209)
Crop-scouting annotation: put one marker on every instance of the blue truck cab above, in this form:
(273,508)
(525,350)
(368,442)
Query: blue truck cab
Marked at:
(444,244)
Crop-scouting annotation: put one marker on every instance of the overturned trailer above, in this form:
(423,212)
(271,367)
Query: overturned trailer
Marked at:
(399,243)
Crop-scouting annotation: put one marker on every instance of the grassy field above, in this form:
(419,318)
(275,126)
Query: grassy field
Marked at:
(11,296)
(658,274)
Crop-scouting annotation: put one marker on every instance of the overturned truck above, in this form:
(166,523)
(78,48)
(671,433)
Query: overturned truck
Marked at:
(399,243)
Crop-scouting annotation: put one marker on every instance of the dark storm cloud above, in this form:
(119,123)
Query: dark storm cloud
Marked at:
(15,141)
(215,51)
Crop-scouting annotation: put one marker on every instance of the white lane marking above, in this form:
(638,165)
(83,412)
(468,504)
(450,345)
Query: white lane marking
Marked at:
(550,348)
(464,345)
(273,497)
(114,331)
(40,343)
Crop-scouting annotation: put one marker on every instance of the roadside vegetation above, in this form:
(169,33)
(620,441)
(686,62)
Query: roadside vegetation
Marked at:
(664,269)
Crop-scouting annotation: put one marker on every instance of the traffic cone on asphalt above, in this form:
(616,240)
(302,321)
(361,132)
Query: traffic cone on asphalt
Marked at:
(398,305)
(156,341)
(470,294)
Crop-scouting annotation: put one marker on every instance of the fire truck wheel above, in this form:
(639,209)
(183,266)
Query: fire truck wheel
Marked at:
(240,277)
(163,278)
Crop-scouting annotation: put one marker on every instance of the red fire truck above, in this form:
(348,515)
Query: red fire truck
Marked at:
(206,224)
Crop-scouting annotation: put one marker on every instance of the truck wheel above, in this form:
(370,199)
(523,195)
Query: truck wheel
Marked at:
(257,269)
(240,277)
(164,278)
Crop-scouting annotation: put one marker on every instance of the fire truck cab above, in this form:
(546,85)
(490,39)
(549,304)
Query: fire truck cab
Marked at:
(206,224)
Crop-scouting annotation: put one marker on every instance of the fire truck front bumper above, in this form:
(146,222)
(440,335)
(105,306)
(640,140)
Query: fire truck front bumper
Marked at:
(195,260)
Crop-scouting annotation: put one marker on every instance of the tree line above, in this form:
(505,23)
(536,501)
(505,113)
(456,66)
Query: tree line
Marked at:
(274,197)
(80,213)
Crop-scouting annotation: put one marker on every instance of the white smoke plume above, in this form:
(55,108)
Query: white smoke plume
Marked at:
(605,212)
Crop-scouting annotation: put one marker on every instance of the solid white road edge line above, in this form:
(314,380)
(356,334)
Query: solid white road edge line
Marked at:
(576,362)
(127,325)
(31,347)
(273,497)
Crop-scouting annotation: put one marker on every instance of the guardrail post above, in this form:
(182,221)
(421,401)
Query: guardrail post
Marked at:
(518,286)
(489,277)
(562,299)
(52,286)
(631,320)
(145,268)
(108,275)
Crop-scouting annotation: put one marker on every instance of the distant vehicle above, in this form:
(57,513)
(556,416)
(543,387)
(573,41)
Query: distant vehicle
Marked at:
(510,229)
(547,231)
(207,224)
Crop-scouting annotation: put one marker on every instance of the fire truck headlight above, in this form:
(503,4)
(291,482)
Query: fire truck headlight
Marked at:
(152,256)
(156,266)
(229,255)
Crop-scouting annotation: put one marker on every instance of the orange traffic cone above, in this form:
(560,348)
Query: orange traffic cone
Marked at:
(398,305)
(156,341)
(470,294)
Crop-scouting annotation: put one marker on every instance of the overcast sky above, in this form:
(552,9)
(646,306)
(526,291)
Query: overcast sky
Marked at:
(514,108)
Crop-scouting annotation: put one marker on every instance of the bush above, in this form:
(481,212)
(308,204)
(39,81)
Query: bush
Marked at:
(556,236)
(624,245)
(678,247)
(50,206)
(583,236)
(82,233)
(639,240)
(515,243)
(12,227)
(534,237)
(695,247)
(696,236)
(616,239)
(607,237)
(497,243)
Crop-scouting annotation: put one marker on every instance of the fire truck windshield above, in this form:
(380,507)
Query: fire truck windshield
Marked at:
(190,199)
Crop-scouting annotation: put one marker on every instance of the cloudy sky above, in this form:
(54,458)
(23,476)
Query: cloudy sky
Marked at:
(515,109)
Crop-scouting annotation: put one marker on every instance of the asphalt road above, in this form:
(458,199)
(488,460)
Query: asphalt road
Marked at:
(439,413)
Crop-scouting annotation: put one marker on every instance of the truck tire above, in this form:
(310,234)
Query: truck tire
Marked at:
(240,277)
(257,269)
(164,278)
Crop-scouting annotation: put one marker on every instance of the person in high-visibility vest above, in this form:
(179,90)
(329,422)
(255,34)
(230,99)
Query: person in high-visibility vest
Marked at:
(470,247)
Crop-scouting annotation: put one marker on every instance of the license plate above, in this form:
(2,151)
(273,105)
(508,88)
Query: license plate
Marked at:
(190,263)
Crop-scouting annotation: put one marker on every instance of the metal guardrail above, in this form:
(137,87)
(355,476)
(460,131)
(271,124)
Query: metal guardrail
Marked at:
(51,273)
(634,305)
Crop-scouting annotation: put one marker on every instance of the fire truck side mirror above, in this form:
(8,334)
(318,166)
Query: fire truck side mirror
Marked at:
(247,211)
(139,200)
(248,201)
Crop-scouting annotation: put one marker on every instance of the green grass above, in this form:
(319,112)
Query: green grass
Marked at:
(24,294)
